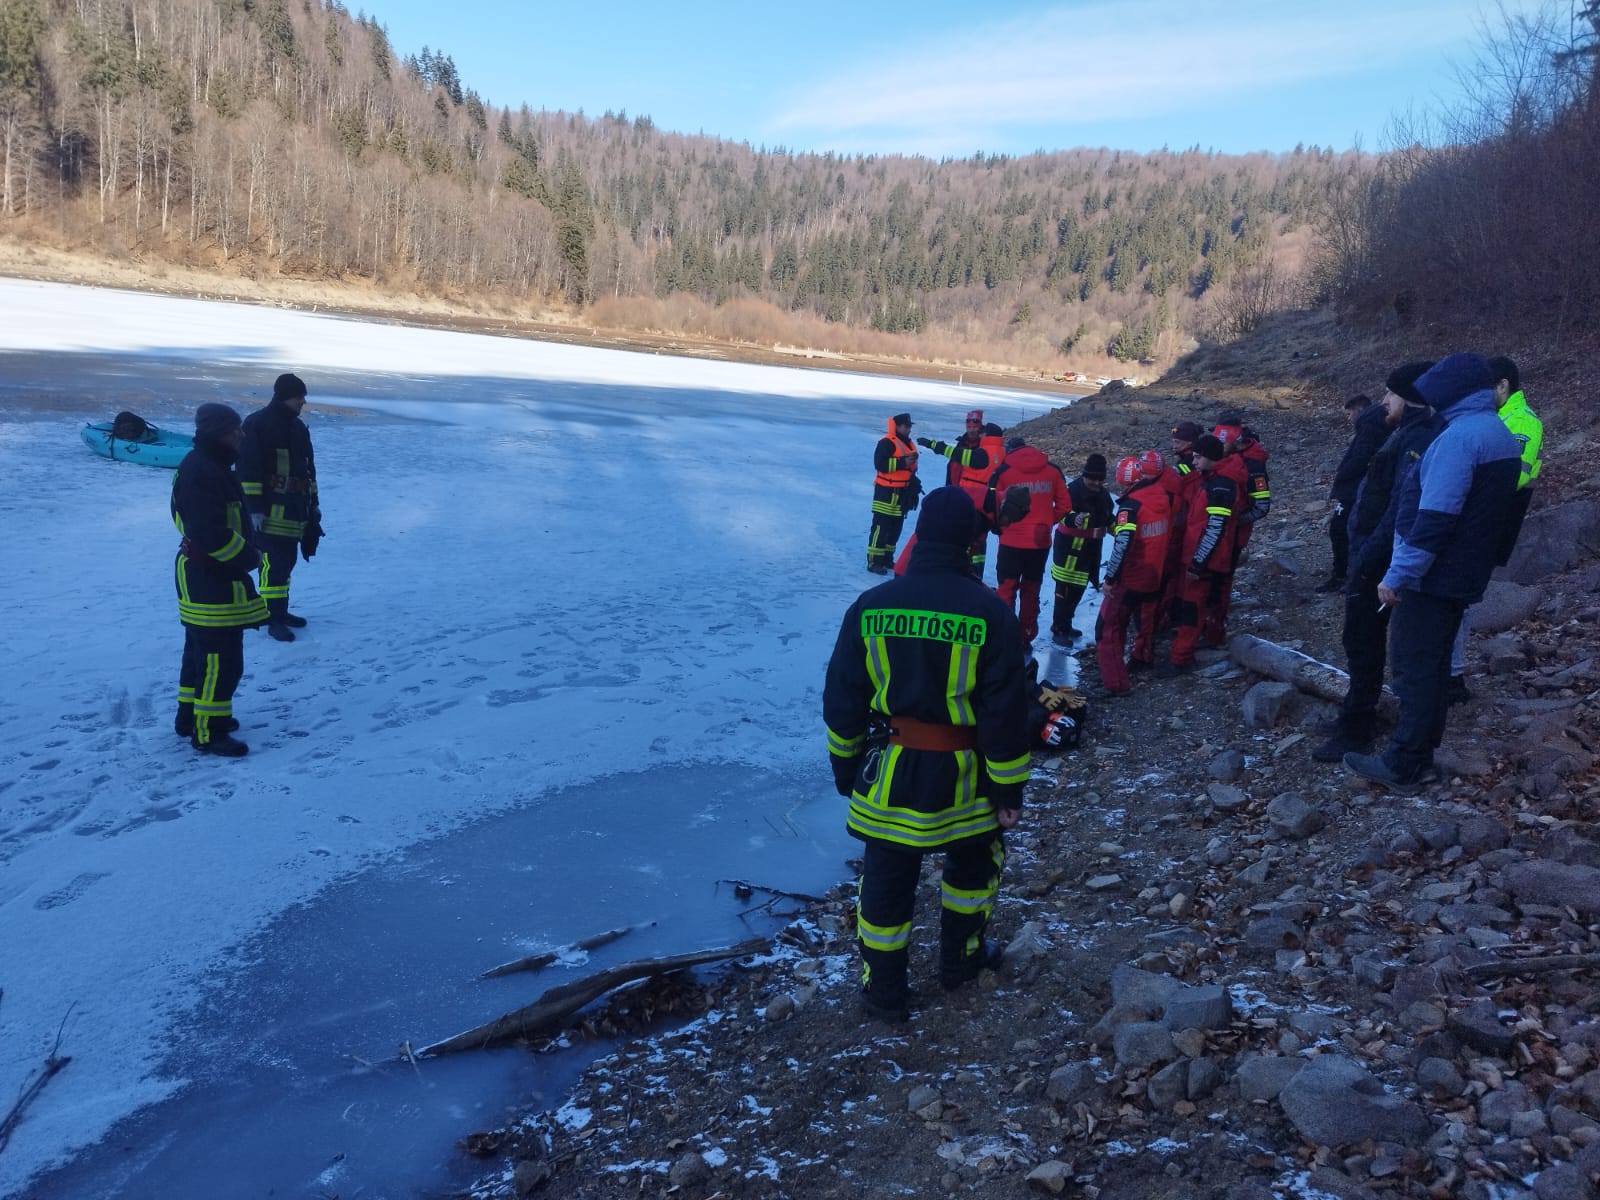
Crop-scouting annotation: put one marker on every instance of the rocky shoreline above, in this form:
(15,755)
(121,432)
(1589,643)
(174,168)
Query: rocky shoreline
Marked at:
(1232,971)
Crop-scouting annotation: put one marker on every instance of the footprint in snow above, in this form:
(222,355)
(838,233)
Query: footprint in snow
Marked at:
(66,895)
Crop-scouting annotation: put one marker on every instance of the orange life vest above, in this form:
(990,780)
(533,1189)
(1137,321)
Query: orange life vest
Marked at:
(906,454)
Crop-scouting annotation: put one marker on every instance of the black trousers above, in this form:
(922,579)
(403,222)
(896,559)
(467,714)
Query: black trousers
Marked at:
(1420,635)
(887,901)
(213,664)
(888,517)
(1339,536)
(1366,633)
(278,556)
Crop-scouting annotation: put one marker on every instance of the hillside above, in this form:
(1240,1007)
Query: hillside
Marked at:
(270,140)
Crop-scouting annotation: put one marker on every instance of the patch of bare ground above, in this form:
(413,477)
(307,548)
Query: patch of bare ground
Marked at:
(1348,1024)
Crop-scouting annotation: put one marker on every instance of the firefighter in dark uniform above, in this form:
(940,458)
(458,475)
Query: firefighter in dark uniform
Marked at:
(926,707)
(217,600)
(973,458)
(279,476)
(894,492)
(1075,553)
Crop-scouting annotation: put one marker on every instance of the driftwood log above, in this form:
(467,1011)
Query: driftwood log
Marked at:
(537,962)
(54,1064)
(1304,672)
(558,1003)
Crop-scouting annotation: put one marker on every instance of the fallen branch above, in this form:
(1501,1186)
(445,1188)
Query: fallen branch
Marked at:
(1542,965)
(561,1002)
(1304,672)
(536,962)
(53,1065)
(742,889)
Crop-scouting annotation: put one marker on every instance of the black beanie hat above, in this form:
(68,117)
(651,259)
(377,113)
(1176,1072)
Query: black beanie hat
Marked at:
(946,515)
(1402,381)
(1208,445)
(288,387)
(214,420)
(1094,467)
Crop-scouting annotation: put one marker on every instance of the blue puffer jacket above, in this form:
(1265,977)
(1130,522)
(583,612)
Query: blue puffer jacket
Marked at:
(1451,509)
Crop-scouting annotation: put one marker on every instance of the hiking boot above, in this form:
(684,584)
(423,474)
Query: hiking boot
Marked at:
(293,620)
(894,1014)
(1333,583)
(1340,742)
(988,958)
(279,632)
(1372,766)
(1457,692)
(877,568)
(223,746)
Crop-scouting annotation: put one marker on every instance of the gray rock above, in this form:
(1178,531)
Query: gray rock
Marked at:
(1255,874)
(1561,536)
(1268,702)
(1208,1007)
(1479,835)
(1334,1102)
(1505,655)
(1226,767)
(1528,1123)
(1330,1181)
(1313,1026)
(1548,882)
(691,1170)
(1103,883)
(1479,1027)
(780,1007)
(1225,798)
(1496,1109)
(1168,1085)
(1273,933)
(1292,817)
(1504,606)
(1563,1181)
(1439,1077)
(1458,918)
(1030,942)
(1052,1176)
(1071,1083)
(1141,1044)
(1205,1077)
(1262,1078)
(923,1096)
(529,1175)
(1133,988)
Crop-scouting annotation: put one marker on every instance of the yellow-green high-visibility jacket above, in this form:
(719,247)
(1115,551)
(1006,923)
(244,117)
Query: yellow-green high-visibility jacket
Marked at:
(937,646)
(1526,427)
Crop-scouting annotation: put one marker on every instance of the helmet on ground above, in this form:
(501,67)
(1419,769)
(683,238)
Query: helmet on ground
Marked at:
(1153,462)
(1060,731)
(1129,471)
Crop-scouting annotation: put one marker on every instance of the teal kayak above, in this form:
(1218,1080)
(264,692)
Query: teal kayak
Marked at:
(157,448)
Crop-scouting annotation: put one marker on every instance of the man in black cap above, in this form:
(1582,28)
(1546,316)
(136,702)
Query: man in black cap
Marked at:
(279,476)
(1370,423)
(895,489)
(1075,552)
(1450,514)
(926,707)
(217,601)
(1413,426)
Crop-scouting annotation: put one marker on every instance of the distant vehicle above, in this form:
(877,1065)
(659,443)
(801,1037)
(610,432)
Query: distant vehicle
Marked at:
(1129,381)
(1101,380)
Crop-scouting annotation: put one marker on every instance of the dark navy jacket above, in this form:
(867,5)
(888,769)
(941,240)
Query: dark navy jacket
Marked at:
(1372,514)
(1372,430)
(1451,511)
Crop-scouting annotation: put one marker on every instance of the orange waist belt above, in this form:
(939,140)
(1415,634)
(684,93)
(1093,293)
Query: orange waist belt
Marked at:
(922,735)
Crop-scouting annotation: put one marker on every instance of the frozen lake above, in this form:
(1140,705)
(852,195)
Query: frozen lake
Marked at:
(568,629)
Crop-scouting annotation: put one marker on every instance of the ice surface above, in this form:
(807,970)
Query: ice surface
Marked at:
(568,629)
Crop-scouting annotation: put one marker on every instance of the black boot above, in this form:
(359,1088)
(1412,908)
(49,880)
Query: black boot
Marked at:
(292,620)
(279,632)
(222,745)
(1343,740)
(988,958)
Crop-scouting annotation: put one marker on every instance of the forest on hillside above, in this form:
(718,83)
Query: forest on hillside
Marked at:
(287,137)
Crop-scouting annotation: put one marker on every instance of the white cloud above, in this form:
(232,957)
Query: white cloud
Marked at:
(1098,61)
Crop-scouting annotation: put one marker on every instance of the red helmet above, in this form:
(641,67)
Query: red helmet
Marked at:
(1129,471)
(1060,732)
(1153,462)
(1227,434)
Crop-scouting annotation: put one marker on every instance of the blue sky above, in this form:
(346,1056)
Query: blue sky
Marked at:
(943,78)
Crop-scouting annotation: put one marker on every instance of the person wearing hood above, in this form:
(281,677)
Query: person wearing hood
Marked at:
(1210,527)
(1075,555)
(1025,540)
(1450,515)
(217,601)
(279,477)
(1141,530)
(925,703)
(895,489)
(1413,426)
(973,457)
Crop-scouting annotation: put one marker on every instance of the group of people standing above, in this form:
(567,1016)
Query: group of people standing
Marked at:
(245,503)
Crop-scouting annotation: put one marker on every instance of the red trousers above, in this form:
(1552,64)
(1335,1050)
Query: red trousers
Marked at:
(1028,613)
(1117,608)
(1202,606)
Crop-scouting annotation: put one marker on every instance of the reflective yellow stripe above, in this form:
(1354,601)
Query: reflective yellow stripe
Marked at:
(1219,512)
(250,489)
(222,616)
(962,682)
(962,901)
(896,825)
(887,938)
(878,672)
(1012,770)
(1257,496)
(845,747)
(230,551)
(1125,527)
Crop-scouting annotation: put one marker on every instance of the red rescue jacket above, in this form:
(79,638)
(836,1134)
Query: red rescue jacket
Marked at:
(1145,513)
(1049,500)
